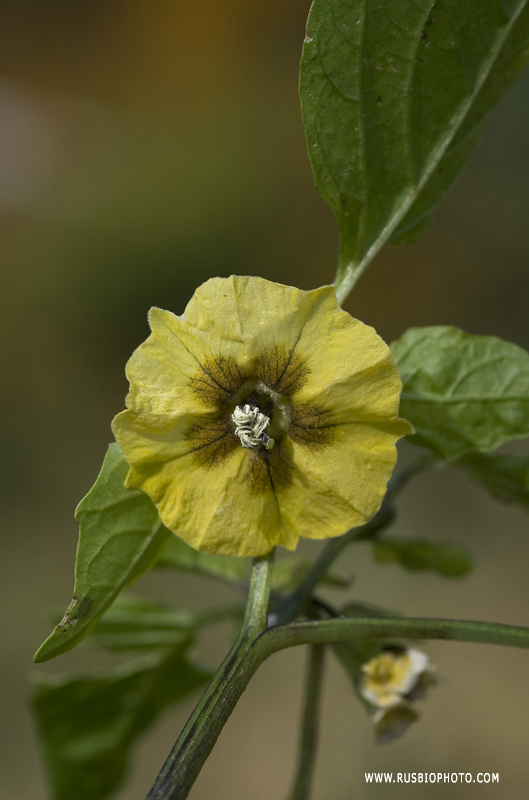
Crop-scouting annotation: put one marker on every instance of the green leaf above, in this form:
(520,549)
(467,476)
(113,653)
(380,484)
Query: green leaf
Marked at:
(446,558)
(507,477)
(134,623)
(462,393)
(88,725)
(393,95)
(176,554)
(120,535)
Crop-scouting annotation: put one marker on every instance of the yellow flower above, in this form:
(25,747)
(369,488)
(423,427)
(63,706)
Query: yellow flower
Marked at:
(263,415)
(391,682)
(393,675)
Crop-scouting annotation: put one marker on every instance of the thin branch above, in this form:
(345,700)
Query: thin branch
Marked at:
(347,628)
(201,731)
(293,605)
(310,725)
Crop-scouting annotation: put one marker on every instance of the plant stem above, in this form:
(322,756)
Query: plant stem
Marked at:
(296,602)
(255,617)
(347,274)
(200,733)
(309,727)
(256,642)
(347,628)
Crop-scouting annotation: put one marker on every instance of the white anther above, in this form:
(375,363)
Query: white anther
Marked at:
(250,426)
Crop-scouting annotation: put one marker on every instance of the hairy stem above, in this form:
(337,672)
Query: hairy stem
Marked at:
(309,726)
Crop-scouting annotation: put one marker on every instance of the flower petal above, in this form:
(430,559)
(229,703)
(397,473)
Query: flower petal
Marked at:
(257,312)
(353,373)
(335,391)
(180,370)
(345,480)
(214,509)
(148,439)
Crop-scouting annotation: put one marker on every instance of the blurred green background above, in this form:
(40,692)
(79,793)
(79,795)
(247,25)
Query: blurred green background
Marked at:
(145,147)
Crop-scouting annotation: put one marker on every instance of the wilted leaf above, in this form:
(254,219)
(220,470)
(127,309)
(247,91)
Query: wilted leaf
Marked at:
(393,95)
(120,535)
(462,393)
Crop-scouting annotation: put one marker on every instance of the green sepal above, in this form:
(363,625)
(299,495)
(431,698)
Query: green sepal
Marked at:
(120,537)
(462,393)
(449,559)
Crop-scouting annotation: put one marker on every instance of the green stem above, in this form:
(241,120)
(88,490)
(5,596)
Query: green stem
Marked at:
(347,274)
(346,628)
(294,605)
(255,617)
(201,731)
(250,650)
(309,727)
(297,601)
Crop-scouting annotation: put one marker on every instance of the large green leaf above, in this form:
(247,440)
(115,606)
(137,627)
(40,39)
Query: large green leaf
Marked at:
(120,536)
(393,94)
(88,725)
(462,393)
(416,555)
(506,476)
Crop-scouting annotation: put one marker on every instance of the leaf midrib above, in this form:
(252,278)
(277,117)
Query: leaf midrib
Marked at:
(342,290)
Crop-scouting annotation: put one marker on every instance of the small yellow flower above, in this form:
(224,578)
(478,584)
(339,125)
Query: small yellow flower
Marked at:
(390,682)
(263,415)
(392,675)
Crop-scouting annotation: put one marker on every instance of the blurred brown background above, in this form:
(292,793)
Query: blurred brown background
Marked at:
(145,147)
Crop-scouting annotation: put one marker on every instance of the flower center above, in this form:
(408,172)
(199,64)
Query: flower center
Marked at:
(250,427)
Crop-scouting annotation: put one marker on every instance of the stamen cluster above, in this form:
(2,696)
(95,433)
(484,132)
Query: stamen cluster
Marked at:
(250,426)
